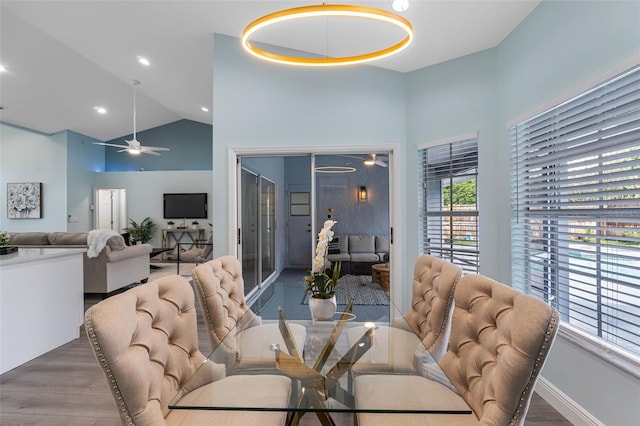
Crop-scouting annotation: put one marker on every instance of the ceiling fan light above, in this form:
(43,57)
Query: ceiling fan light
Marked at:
(133,151)
(100,109)
(144,61)
(369,162)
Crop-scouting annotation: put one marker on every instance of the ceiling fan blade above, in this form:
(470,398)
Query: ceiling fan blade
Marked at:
(150,152)
(153,148)
(110,144)
(380,163)
(123,150)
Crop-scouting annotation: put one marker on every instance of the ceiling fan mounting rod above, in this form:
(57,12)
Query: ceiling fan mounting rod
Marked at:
(134,83)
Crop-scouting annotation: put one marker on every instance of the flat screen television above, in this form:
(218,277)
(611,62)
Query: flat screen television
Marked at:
(185,206)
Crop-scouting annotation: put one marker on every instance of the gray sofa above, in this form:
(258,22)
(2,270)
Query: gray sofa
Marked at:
(116,267)
(358,252)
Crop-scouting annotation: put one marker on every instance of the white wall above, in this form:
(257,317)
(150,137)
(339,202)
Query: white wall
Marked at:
(145,189)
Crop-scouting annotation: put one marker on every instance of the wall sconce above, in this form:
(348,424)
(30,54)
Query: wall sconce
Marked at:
(362,193)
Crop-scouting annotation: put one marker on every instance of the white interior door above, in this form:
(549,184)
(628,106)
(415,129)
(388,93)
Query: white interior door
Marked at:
(111,209)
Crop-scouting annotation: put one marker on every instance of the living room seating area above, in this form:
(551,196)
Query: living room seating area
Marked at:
(117,265)
(358,252)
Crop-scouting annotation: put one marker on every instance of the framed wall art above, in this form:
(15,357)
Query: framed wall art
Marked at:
(24,200)
(299,203)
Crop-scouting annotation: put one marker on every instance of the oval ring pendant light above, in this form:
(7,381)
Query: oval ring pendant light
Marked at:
(325,10)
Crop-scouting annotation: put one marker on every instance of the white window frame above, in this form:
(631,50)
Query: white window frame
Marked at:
(564,162)
(431,232)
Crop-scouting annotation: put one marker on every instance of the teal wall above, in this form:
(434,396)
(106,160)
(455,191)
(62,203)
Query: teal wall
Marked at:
(262,105)
(560,46)
(448,100)
(189,142)
(28,156)
(83,160)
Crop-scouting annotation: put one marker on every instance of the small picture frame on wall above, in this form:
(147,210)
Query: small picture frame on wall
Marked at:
(299,204)
(24,200)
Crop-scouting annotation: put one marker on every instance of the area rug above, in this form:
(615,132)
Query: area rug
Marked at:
(164,269)
(360,289)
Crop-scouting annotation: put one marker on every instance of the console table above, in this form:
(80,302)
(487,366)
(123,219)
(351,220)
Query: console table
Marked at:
(172,237)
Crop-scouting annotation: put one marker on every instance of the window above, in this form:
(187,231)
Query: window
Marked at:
(576,213)
(447,197)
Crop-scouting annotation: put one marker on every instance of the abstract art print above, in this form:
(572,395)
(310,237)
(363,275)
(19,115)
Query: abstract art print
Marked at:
(24,200)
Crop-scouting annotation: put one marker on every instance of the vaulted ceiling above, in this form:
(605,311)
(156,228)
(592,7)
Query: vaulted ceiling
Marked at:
(63,58)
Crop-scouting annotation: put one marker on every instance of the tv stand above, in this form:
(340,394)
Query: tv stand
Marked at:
(172,237)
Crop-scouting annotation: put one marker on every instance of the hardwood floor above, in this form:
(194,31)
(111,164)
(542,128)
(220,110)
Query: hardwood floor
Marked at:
(66,387)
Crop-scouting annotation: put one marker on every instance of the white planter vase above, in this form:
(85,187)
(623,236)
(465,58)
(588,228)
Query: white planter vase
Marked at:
(322,309)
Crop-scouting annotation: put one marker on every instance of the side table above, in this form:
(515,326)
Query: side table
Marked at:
(380,275)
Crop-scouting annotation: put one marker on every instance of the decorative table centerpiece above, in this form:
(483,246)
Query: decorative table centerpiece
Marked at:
(324,277)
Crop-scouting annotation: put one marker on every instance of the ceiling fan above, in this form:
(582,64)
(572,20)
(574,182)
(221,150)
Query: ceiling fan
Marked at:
(376,160)
(134,146)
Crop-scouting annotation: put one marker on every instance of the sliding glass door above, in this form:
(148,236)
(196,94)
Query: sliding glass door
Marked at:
(258,222)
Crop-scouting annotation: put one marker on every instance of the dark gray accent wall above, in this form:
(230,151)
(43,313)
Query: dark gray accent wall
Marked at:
(190,144)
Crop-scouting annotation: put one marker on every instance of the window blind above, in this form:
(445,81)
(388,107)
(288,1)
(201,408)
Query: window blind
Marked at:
(576,210)
(448,201)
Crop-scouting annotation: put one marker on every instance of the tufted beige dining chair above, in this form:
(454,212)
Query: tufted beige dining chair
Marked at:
(500,339)
(248,343)
(428,320)
(146,342)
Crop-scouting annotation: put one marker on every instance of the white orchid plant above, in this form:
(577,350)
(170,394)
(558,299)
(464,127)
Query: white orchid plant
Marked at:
(324,278)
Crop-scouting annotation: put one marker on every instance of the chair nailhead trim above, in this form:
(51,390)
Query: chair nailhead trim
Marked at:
(534,374)
(110,377)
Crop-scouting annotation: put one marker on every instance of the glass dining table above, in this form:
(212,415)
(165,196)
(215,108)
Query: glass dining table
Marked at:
(322,372)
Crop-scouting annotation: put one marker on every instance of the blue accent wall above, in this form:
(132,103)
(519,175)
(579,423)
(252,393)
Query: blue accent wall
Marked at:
(190,143)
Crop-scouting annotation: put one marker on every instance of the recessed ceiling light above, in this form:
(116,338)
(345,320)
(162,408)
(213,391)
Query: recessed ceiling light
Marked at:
(400,5)
(205,109)
(144,61)
(100,110)
(2,68)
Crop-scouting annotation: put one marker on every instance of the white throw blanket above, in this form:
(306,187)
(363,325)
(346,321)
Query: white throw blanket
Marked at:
(97,240)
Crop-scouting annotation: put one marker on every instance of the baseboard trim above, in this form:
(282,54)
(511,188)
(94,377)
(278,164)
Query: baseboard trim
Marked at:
(570,409)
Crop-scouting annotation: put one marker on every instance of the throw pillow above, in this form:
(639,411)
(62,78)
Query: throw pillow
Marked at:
(334,246)
(116,242)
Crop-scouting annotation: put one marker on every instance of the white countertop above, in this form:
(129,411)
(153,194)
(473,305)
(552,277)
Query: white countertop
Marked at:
(24,255)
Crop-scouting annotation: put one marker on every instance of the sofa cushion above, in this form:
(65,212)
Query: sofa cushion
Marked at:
(68,238)
(382,244)
(208,247)
(365,257)
(116,242)
(343,243)
(361,244)
(30,239)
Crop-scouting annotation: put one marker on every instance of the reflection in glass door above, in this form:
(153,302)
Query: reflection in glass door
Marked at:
(267,226)
(249,229)
(258,225)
